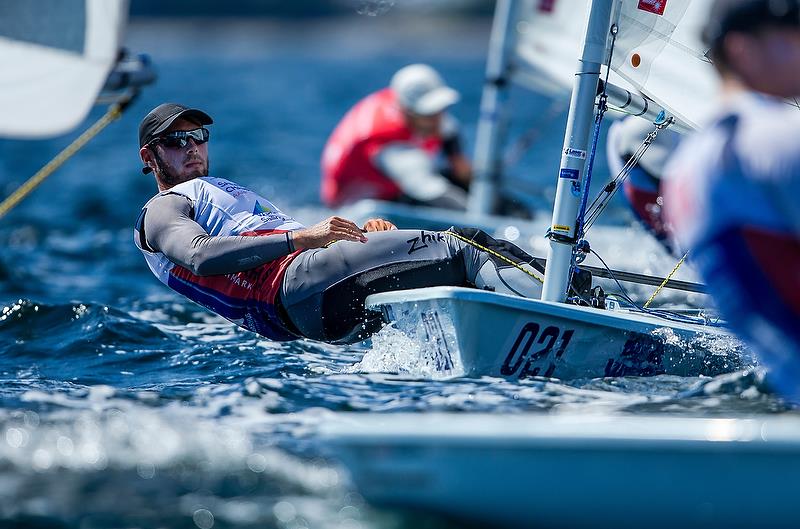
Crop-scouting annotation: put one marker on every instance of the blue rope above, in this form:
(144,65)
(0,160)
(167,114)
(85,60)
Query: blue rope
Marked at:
(598,120)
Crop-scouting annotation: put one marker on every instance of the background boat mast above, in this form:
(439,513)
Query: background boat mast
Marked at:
(492,122)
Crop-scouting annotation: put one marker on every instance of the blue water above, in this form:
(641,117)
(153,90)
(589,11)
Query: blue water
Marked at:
(124,405)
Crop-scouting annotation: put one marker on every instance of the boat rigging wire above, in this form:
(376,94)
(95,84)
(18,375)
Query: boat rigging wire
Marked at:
(658,313)
(581,246)
(640,279)
(113,113)
(603,198)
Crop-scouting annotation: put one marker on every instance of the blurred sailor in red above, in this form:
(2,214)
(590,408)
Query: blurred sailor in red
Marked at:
(387,146)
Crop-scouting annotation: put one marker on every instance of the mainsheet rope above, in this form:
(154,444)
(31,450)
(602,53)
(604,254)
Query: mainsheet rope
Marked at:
(666,280)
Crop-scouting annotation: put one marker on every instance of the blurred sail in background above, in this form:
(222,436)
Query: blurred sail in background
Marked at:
(550,33)
(55,56)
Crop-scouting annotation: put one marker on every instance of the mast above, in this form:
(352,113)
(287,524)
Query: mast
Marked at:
(574,155)
(491,125)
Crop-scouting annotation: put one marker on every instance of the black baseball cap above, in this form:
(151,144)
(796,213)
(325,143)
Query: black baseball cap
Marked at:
(160,118)
(748,16)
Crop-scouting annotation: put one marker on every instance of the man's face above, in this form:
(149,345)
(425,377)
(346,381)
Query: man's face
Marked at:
(173,164)
(425,125)
(768,61)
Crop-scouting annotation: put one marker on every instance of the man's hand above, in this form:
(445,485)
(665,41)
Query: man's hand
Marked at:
(327,231)
(378,225)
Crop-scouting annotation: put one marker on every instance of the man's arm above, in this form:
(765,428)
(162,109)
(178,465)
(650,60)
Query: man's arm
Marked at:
(171,230)
(413,172)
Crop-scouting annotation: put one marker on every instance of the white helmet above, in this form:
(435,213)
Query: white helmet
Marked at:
(422,91)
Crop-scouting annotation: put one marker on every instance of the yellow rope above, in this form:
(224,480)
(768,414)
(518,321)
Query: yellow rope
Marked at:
(666,280)
(499,256)
(22,191)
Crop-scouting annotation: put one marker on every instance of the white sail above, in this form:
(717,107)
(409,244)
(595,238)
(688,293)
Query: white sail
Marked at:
(550,35)
(659,51)
(55,56)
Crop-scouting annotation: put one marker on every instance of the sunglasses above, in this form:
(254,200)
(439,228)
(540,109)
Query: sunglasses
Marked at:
(180,138)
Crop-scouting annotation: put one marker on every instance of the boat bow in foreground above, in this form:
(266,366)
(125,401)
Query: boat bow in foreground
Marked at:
(585,471)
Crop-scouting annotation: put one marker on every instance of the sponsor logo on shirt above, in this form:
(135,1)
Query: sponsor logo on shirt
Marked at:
(267,214)
(240,281)
(235,190)
(259,209)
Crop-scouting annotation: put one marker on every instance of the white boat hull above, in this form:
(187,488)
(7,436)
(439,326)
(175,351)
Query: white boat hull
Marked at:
(577,471)
(469,332)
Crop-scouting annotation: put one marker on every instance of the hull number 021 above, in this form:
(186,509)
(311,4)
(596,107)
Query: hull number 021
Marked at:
(532,347)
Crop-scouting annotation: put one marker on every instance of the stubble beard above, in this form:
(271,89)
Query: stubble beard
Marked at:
(169,176)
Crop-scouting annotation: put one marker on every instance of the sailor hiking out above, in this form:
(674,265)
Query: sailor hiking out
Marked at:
(236,253)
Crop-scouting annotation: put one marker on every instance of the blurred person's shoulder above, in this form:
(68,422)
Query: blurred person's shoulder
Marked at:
(767,140)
